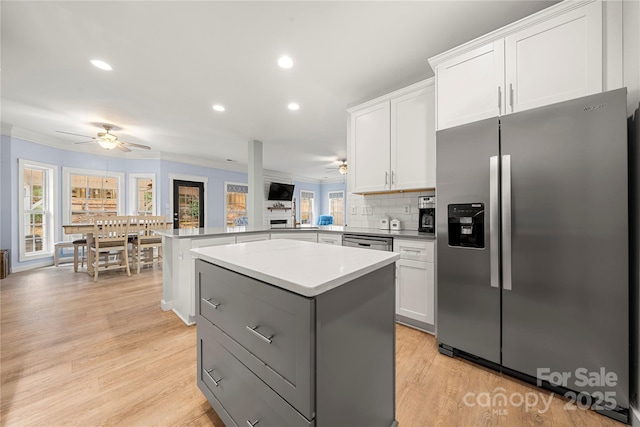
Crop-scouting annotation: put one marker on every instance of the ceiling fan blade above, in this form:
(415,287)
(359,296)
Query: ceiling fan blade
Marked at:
(76,134)
(122,148)
(84,142)
(131,144)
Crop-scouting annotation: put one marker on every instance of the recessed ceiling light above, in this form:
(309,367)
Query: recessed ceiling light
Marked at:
(218,107)
(285,62)
(293,106)
(101,64)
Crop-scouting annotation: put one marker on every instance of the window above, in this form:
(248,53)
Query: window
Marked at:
(37,182)
(92,193)
(306,207)
(142,194)
(336,207)
(236,203)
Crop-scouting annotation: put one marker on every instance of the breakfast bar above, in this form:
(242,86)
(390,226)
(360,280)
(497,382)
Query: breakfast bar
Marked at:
(292,333)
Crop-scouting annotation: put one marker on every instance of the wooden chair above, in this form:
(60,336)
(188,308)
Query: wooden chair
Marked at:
(110,237)
(145,243)
(80,246)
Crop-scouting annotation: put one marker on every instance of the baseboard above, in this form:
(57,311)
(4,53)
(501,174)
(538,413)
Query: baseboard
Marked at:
(33,266)
(186,321)
(166,305)
(424,327)
(634,417)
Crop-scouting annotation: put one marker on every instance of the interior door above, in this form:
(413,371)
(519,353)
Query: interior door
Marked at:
(565,303)
(468,298)
(188,204)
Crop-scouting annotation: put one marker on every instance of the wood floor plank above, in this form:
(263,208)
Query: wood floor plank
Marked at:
(78,353)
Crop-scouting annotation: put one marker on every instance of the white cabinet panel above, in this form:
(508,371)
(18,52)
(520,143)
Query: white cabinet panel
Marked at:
(551,56)
(415,290)
(556,60)
(415,280)
(370,148)
(471,86)
(392,141)
(413,140)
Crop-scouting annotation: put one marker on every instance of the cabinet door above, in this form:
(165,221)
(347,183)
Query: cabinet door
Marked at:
(370,148)
(555,60)
(413,140)
(471,86)
(415,290)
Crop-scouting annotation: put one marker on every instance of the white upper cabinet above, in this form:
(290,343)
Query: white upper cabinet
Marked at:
(556,60)
(471,86)
(392,141)
(413,140)
(370,153)
(551,56)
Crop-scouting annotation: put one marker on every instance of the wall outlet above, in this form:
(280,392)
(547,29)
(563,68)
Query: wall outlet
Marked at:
(367,210)
(407,209)
(354,210)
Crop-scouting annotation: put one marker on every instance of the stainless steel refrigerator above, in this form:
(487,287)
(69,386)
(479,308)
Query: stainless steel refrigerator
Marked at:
(532,246)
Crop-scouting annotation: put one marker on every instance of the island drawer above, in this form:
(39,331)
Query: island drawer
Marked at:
(268,329)
(242,395)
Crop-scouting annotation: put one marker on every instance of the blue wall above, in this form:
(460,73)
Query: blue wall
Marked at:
(12,149)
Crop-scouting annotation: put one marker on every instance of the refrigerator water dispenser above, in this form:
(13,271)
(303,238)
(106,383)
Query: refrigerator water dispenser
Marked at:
(466,225)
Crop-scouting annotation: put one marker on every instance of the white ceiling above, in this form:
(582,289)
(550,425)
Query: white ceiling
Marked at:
(172,60)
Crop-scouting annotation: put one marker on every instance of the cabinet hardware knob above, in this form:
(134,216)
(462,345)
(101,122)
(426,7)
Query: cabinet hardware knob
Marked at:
(259,335)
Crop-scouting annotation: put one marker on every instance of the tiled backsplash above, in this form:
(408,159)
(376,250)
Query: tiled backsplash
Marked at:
(370,208)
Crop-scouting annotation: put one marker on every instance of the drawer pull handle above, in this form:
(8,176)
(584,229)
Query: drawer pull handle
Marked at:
(215,305)
(259,335)
(253,424)
(217,383)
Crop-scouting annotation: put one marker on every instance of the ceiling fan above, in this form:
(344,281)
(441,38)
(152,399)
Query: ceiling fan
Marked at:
(108,140)
(342,167)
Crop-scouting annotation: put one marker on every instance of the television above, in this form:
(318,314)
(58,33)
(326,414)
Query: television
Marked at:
(279,191)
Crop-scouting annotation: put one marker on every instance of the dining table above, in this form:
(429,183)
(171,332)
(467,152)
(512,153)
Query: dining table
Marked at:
(87,229)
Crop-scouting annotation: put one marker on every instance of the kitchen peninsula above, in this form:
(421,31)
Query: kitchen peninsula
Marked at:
(293,333)
(178,292)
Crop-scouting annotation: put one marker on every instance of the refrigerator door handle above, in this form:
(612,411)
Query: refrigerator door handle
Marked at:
(506,221)
(494,222)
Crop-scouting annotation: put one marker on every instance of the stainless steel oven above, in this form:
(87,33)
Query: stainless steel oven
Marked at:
(368,242)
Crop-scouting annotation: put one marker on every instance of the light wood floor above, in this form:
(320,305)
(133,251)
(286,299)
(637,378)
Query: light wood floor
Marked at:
(79,353)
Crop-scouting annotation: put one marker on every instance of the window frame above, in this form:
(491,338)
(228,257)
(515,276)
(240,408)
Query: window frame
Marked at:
(313,206)
(226,186)
(66,188)
(344,213)
(133,192)
(51,196)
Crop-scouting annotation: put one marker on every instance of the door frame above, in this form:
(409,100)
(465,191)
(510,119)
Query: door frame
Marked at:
(195,178)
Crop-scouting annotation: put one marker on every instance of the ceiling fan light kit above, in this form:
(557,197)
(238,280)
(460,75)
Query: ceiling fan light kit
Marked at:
(109,141)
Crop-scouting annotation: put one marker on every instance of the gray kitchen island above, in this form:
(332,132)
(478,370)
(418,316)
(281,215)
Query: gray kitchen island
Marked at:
(292,333)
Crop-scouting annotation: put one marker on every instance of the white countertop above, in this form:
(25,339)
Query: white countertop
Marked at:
(304,268)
